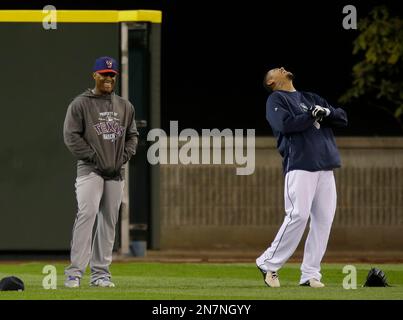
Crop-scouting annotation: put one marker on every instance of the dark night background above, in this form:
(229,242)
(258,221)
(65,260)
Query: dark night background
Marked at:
(215,54)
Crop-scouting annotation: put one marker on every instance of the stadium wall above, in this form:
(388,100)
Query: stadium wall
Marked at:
(210,207)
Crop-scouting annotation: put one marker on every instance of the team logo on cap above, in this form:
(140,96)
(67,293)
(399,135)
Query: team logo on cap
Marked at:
(108,63)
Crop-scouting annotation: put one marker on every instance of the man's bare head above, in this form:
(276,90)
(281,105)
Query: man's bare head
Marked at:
(277,78)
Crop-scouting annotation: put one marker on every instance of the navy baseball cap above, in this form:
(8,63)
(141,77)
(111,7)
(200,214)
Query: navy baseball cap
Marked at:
(11,283)
(106,64)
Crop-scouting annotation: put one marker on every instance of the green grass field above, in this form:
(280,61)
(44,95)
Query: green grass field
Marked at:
(205,281)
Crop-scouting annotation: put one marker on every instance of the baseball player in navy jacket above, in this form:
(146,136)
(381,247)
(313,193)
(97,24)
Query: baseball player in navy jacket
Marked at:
(302,123)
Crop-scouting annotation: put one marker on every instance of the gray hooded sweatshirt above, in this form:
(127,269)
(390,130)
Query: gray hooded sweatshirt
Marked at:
(100,131)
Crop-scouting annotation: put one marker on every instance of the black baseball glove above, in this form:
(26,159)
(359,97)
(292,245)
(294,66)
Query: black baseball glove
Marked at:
(376,278)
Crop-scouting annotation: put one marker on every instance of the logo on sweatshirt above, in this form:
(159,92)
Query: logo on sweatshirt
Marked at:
(303,107)
(109,126)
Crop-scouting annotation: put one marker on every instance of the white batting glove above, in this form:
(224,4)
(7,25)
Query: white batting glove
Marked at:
(319,112)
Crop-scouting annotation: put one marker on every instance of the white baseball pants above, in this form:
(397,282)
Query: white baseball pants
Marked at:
(307,195)
(95,197)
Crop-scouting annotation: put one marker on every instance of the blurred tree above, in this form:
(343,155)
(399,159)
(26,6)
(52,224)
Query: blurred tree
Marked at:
(378,77)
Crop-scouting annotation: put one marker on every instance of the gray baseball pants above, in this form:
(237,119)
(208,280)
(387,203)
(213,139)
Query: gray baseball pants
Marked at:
(100,198)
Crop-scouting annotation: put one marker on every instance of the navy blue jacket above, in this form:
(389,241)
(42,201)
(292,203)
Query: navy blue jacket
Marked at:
(300,143)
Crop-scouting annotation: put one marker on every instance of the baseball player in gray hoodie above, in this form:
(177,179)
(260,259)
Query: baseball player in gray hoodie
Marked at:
(100,131)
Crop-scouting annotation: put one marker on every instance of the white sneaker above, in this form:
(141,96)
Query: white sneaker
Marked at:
(103,282)
(313,283)
(72,282)
(270,278)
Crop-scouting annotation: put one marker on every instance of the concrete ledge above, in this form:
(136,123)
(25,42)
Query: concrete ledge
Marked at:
(233,238)
(269,142)
(345,142)
(370,142)
(249,256)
